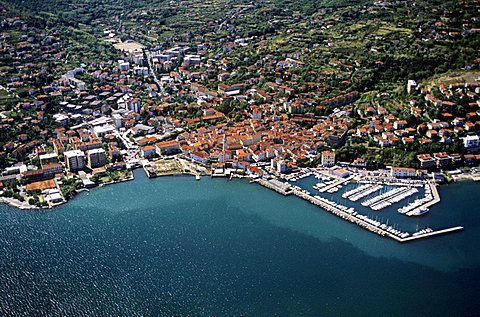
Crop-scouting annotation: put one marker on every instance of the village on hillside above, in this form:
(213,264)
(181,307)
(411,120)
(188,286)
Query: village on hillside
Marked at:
(201,106)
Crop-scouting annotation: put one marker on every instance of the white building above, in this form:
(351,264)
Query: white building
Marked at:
(97,158)
(471,141)
(328,158)
(74,160)
(403,172)
(411,84)
(117,120)
(101,131)
(281,166)
(123,65)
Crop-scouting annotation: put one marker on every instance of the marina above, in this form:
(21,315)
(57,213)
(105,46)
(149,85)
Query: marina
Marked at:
(365,222)
(362,195)
(390,197)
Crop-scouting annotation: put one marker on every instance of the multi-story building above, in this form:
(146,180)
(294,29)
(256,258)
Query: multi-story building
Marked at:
(471,141)
(328,158)
(74,160)
(97,158)
(426,160)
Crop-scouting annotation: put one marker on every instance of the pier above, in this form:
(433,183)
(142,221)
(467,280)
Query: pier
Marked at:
(389,198)
(337,183)
(345,215)
(433,233)
(436,200)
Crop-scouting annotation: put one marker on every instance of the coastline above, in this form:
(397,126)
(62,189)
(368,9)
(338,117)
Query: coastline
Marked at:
(274,184)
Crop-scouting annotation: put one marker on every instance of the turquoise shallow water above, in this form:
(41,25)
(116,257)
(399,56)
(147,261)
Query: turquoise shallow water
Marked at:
(178,247)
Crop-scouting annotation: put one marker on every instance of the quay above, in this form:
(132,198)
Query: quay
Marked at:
(436,200)
(275,185)
(345,215)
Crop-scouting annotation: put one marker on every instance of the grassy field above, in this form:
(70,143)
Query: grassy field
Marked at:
(455,77)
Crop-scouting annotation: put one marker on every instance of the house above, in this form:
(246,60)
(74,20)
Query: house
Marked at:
(359,162)
(442,159)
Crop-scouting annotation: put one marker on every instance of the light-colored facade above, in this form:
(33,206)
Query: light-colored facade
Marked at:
(328,158)
(74,160)
(403,172)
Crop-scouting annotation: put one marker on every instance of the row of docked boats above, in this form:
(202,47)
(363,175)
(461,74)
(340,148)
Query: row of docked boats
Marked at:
(417,203)
(365,193)
(389,198)
(423,231)
(356,190)
(393,181)
(365,218)
(298,176)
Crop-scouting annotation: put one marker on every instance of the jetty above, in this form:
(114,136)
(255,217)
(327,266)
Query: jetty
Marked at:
(435,200)
(433,233)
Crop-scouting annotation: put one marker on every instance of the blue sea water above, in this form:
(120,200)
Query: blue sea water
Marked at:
(179,247)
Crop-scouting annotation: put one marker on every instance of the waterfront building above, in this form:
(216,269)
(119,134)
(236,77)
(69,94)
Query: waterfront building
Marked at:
(426,160)
(328,158)
(341,172)
(74,160)
(97,158)
(281,166)
(200,156)
(148,151)
(403,172)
